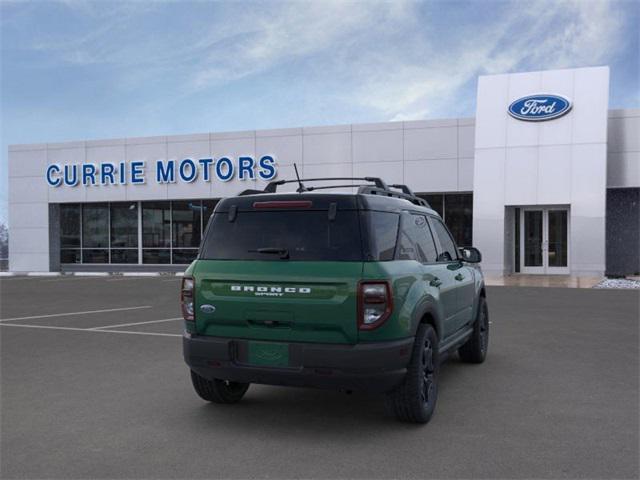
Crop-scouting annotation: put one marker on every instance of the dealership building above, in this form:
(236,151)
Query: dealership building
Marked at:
(544,180)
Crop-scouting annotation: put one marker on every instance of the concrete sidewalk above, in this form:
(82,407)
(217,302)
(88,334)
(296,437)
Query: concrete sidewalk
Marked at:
(557,281)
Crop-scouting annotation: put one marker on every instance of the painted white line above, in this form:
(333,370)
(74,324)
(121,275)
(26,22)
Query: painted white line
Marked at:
(137,323)
(48,327)
(72,278)
(7,274)
(43,274)
(75,313)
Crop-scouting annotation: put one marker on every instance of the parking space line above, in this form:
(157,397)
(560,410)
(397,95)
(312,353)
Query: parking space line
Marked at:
(75,313)
(74,329)
(136,323)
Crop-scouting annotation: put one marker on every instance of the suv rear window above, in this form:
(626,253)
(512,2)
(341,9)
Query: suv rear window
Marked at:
(305,235)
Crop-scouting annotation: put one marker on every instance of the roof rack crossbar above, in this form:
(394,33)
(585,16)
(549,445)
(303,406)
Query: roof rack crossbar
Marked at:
(327,187)
(391,193)
(273,186)
(404,189)
(378,187)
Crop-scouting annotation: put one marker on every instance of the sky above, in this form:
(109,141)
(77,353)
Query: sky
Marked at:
(76,70)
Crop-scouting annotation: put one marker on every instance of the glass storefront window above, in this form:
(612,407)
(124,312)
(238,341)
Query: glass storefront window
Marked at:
(90,255)
(108,232)
(456,209)
(127,255)
(68,255)
(95,225)
(156,224)
(69,226)
(436,200)
(70,233)
(458,215)
(124,225)
(184,255)
(186,218)
(558,232)
(156,255)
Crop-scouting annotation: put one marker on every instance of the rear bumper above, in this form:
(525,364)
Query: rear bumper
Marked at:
(372,367)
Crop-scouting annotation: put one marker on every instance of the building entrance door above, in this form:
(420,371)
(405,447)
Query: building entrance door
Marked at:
(544,240)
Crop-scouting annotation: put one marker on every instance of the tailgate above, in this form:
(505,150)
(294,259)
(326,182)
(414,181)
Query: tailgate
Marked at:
(278,300)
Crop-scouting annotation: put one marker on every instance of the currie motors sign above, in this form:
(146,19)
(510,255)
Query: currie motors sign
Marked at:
(540,107)
(187,170)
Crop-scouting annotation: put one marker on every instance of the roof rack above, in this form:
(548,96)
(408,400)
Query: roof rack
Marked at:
(406,193)
(376,186)
(272,186)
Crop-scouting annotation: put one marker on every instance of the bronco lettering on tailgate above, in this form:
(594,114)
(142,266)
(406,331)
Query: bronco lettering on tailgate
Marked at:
(271,291)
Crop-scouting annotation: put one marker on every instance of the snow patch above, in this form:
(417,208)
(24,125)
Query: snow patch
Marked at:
(624,283)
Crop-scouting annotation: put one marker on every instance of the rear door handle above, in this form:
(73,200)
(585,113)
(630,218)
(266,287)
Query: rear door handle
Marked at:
(435,282)
(459,277)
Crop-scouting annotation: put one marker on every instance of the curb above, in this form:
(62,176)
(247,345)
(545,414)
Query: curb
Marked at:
(140,274)
(91,274)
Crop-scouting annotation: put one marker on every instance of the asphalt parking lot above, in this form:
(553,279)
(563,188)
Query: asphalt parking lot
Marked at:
(94,386)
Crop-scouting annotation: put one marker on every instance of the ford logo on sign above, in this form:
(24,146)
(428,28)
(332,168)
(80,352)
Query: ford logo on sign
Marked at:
(536,108)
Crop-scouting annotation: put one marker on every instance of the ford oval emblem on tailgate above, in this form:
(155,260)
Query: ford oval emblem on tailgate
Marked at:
(206,308)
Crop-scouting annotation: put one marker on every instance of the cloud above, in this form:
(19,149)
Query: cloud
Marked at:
(393,58)
(215,44)
(526,36)
(294,31)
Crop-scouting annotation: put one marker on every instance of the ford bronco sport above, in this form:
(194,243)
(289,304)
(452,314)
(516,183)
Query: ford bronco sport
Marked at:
(352,291)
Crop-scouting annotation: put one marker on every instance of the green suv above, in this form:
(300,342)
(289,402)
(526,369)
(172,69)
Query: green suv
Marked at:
(353,291)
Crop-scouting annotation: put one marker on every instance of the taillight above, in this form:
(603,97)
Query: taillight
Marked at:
(187,294)
(375,304)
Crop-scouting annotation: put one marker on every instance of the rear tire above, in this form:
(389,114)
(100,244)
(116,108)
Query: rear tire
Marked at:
(415,399)
(218,391)
(475,349)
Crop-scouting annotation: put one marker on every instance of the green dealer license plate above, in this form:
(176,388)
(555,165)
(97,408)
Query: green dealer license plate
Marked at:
(269,354)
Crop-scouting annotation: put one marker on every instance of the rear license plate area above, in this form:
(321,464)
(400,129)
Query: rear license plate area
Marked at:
(268,354)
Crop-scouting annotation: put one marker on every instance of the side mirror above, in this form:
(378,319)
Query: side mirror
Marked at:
(470,254)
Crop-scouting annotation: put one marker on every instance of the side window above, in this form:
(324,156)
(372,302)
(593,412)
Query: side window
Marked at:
(416,242)
(383,228)
(448,247)
(406,248)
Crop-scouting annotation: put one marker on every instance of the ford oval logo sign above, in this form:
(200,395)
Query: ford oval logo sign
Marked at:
(536,108)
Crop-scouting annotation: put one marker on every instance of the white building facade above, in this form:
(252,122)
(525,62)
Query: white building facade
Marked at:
(545,179)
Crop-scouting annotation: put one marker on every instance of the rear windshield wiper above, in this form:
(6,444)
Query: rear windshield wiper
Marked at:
(283,252)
